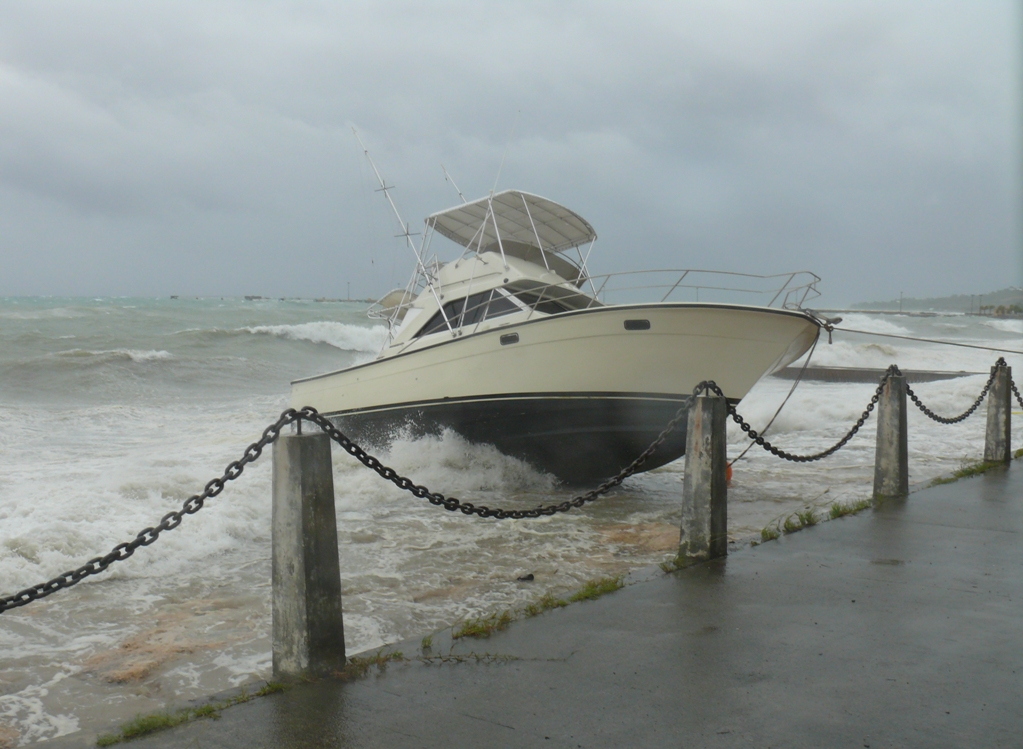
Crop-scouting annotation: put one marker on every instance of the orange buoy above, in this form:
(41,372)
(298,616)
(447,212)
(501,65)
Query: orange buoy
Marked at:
(728,473)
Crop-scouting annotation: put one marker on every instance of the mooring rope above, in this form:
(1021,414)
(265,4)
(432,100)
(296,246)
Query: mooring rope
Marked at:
(931,340)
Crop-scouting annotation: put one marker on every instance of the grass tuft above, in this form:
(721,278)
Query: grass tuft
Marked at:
(357,667)
(545,603)
(271,687)
(483,626)
(142,725)
(596,588)
(427,643)
(840,509)
(966,470)
(792,524)
(1018,454)
(807,517)
(769,533)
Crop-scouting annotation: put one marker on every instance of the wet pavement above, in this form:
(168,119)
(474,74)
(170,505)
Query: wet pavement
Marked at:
(899,627)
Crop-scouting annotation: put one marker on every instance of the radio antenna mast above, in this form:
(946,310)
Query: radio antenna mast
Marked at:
(449,178)
(385,189)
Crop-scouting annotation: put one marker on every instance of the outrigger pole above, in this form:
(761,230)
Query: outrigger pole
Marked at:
(385,189)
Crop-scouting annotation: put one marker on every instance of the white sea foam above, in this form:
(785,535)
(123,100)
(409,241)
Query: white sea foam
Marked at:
(339,335)
(115,354)
(1009,326)
(872,324)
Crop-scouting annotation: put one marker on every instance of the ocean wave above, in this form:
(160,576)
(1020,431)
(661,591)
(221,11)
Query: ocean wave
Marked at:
(1009,326)
(53,313)
(339,335)
(872,324)
(344,336)
(133,355)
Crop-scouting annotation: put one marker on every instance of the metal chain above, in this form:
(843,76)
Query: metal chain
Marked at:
(193,504)
(146,536)
(969,411)
(468,508)
(893,369)
(778,452)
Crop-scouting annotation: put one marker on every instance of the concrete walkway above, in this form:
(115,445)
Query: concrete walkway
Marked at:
(900,627)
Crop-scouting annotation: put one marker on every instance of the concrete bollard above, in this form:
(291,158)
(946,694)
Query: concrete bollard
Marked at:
(997,441)
(308,631)
(704,533)
(891,458)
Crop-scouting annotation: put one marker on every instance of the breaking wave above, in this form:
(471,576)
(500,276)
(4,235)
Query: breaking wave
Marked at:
(1009,326)
(343,336)
(339,335)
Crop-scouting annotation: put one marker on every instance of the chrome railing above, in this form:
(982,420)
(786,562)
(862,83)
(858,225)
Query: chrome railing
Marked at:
(786,290)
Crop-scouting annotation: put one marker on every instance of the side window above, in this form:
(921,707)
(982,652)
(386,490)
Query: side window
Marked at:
(437,322)
(475,306)
(500,305)
(434,324)
(460,312)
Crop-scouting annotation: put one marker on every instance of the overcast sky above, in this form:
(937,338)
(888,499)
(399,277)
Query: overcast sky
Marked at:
(154,148)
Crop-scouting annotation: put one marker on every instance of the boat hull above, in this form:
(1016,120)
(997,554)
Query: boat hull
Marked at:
(579,395)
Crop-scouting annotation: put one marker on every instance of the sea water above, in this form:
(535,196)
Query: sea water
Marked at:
(113,411)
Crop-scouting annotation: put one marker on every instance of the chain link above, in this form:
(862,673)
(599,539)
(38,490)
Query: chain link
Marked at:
(1019,398)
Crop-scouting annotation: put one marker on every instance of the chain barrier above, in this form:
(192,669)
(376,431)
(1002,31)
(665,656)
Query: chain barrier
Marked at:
(969,411)
(711,386)
(193,504)
(892,370)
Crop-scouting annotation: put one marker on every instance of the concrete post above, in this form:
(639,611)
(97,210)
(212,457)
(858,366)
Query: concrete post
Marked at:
(704,491)
(997,443)
(308,632)
(891,458)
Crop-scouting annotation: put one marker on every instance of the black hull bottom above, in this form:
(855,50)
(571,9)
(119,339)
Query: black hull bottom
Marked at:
(580,439)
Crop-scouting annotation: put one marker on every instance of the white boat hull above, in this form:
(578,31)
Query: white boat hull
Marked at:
(579,394)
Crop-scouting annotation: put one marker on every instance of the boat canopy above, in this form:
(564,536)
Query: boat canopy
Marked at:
(513,216)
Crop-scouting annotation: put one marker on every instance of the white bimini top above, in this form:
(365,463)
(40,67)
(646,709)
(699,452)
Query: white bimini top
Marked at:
(515,217)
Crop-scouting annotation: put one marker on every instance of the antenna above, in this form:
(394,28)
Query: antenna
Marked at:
(385,189)
(511,134)
(448,178)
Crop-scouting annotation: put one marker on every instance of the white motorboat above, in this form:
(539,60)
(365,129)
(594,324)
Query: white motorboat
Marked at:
(517,345)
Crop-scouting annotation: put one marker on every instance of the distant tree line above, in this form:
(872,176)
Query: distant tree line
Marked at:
(1002,310)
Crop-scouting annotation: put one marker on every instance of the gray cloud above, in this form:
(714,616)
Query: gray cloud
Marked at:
(205,148)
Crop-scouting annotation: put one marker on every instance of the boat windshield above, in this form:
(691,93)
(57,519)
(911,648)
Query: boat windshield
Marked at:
(520,296)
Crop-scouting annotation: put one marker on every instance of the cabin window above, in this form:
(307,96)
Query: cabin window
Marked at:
(487,305)
(469,311)
(500,305)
